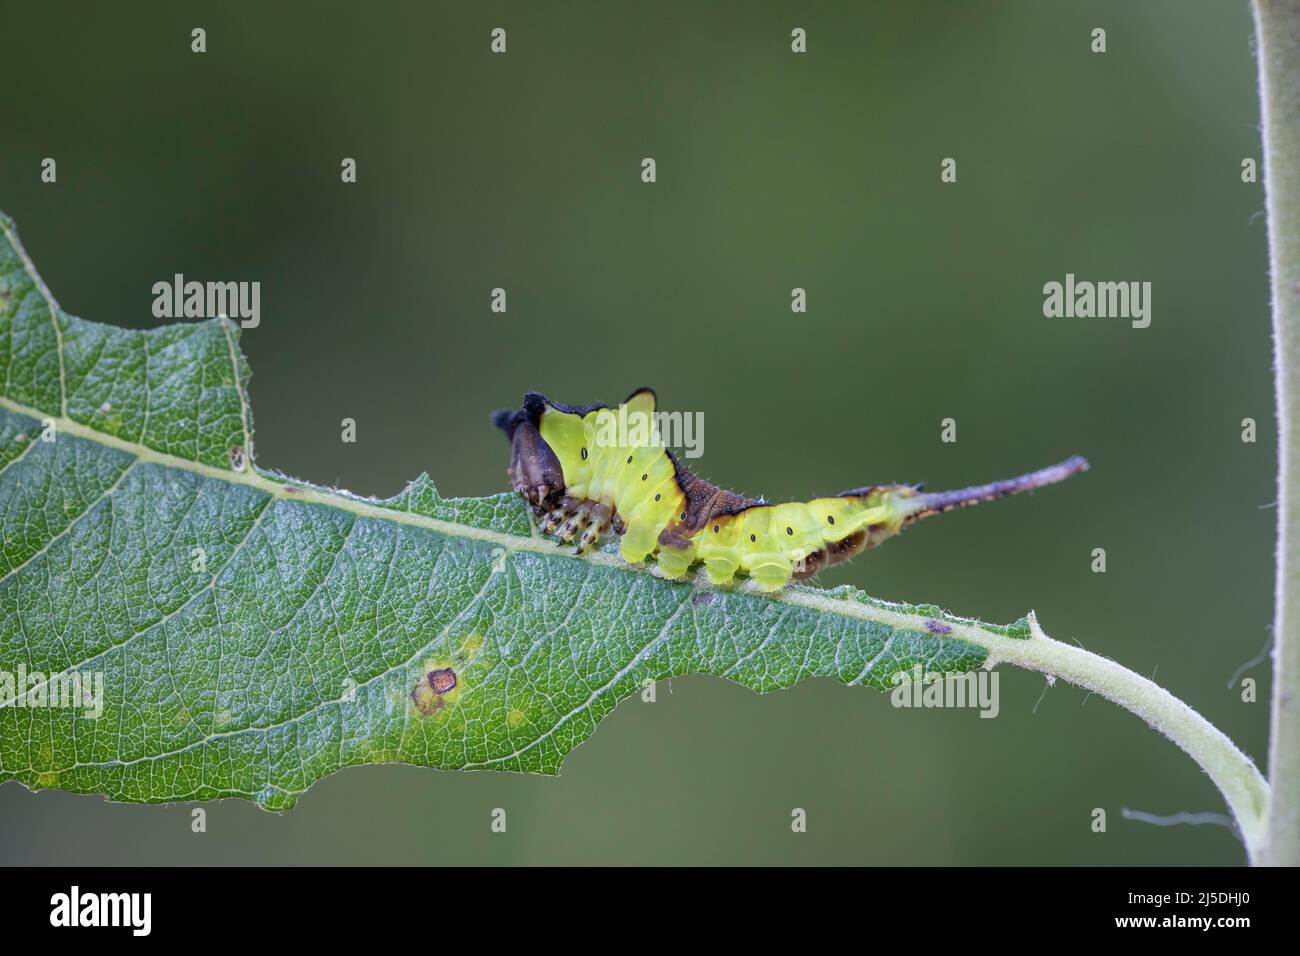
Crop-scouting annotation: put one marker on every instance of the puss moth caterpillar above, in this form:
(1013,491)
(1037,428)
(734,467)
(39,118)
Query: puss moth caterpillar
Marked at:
(582,474)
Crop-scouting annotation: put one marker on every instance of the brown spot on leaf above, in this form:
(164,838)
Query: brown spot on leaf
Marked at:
(429,692)
(442,681)
(238,458)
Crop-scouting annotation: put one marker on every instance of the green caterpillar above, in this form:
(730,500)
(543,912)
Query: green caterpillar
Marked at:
(582,473)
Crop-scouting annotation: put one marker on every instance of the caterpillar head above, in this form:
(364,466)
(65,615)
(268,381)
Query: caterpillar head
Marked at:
(534,470)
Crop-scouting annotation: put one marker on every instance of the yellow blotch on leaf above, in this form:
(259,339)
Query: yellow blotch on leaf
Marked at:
(471,646)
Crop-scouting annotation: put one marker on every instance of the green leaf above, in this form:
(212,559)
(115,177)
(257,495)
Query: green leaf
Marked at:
(255,633)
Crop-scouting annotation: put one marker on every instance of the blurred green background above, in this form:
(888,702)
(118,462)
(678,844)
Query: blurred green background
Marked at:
(775,170)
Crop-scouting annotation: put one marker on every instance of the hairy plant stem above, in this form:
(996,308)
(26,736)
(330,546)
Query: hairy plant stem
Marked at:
(1277,34)
(1243,787)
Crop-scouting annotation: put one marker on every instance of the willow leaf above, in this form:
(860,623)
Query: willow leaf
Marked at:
(254,633)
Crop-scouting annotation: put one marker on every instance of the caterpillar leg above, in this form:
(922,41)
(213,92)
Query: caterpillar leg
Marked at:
(583,517)
(673,562)
(771,571)
(720,571)
(573,516)
(567,531)
(553,519)
(601,518)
